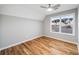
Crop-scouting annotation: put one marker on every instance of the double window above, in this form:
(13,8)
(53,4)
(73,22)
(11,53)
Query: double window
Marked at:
(64,24)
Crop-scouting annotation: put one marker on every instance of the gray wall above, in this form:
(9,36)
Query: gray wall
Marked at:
(78,27)
(15,29)
(0,31)
(70,38)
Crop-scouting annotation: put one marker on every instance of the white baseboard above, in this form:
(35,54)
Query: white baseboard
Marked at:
(35,38)
(19,43)
(62,39)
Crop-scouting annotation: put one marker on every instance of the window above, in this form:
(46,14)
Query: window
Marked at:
(64,24)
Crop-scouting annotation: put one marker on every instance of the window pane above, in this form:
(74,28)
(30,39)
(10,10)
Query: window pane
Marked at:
(55,28)
(67,24)
(55,24)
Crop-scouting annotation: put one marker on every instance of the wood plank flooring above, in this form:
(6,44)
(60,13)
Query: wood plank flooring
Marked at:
(42,46)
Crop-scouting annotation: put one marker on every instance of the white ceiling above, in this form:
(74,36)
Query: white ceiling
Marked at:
(31,11)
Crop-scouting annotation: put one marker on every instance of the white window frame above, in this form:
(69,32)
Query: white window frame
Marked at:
(73,33)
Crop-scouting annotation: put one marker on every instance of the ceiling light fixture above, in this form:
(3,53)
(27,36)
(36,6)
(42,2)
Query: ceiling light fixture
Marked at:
(51,7)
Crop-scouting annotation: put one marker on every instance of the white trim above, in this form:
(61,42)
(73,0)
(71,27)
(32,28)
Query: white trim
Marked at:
(19,43)
(35,38)
(62,40)
(60,16)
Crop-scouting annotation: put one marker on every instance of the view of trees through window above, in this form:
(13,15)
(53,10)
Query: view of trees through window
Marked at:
(63,24)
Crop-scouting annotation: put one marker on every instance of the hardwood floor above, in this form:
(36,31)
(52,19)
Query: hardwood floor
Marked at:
(42,46)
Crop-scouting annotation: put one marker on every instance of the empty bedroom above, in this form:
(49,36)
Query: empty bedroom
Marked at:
(39,29)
